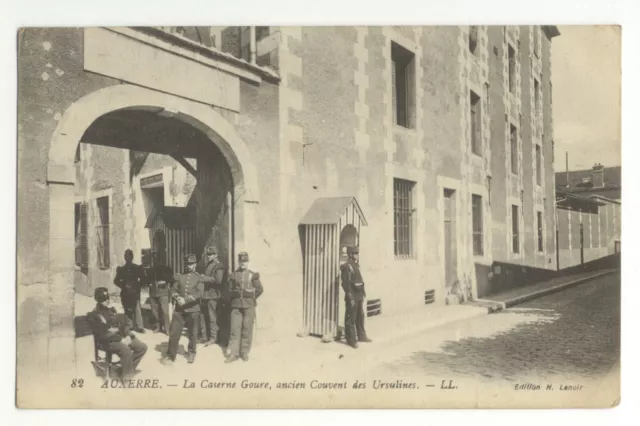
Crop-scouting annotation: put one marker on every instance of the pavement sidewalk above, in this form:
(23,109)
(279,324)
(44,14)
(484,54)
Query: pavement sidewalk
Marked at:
(303,355)
(523,294)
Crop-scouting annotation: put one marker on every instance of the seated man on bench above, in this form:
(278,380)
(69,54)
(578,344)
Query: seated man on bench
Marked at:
(114,337)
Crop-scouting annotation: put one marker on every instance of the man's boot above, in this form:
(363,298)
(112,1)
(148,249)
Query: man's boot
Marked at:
(231,358)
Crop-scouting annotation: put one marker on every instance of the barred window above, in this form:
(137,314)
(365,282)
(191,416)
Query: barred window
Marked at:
(515,228)
(102,233)
(80,234)
(478,231)
(403,217)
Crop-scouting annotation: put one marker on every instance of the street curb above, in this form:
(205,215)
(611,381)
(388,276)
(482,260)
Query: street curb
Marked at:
(502,305)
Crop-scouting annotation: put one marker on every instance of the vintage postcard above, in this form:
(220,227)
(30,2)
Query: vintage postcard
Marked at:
(319,217)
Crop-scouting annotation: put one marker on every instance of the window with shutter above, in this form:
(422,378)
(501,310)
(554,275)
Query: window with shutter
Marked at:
(102,233)
(403,88)
(473,39)
(393,92)
(81,240)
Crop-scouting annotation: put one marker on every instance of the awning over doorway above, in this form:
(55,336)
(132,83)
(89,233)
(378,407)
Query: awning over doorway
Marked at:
(329,210)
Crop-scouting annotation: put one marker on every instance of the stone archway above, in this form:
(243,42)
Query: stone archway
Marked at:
(61,179)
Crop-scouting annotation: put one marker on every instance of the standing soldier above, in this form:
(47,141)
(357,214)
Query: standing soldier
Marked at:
(213,280)
(130,278)
(187,295)
(160,280)
(244,288)
(354,294)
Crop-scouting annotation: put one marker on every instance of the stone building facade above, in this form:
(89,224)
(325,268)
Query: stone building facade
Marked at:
(418,124)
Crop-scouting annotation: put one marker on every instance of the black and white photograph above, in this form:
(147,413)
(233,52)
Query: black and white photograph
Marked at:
(319,216)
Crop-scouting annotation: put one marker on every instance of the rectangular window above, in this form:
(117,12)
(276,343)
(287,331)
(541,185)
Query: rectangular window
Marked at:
(540,248)
(536,95)
(403,90)
(475,108)
(538,165)
(515,229)
(80,234)
(512,70)
(403,217)
(478,234)
(514,148)
(102,232)
(473,39)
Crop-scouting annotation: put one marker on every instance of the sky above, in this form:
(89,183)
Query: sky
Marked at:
(586,96)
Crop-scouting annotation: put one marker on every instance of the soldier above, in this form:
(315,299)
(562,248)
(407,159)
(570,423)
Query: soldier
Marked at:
(160,281)
(130,278)
(245,288)
(187,296)
(115,337)
(213,280)
(354,294)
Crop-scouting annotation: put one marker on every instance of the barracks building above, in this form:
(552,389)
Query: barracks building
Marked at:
(429,147)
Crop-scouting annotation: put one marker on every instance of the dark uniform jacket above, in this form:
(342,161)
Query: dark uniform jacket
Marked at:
(160,279)
(352,282)
(213,279)
(244,288)
(190,287)
(105,324)
(130,279)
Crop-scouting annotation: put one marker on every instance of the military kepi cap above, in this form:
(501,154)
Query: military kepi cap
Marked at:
(190,259)
(243,256)
(353,250)
(101,294)
(211,251)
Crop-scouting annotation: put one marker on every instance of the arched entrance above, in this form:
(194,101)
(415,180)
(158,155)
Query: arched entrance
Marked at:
(61,177)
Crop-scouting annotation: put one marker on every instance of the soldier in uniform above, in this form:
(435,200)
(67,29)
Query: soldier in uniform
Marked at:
(354,295)
(130,278)
(187,295)
(112,335)
(213,281)
(160,281)
(244,289)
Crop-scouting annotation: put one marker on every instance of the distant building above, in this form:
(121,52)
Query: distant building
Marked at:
(598,180)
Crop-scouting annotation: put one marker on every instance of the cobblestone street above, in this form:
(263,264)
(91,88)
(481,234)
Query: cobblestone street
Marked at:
(574,333)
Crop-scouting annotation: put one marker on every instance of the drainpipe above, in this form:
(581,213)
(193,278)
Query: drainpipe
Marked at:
(252,44)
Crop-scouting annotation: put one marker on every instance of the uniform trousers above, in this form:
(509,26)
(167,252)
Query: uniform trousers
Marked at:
(354,322)
(209,319)
(160,311)
(133,311)
(130,355)
(242,320)
(178,322)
